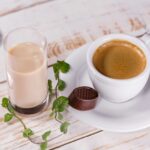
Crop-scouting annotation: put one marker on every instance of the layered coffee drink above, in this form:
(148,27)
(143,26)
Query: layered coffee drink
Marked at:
(27,75)
(27,70)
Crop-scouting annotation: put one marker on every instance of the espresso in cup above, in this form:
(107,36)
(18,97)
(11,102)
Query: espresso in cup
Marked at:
(118,66)
(119,59)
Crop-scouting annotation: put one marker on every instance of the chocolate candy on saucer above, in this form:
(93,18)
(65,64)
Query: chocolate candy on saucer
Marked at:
(83,98)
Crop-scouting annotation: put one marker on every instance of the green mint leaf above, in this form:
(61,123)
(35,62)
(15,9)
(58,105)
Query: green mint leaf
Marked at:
(56,70)
(60,66)
(27,132)
(60,116)
(8,117)
(60,104)
(63,66)
(64,127)
(61,85)
(5,102)
(43,146)
(50,88)
(45,135)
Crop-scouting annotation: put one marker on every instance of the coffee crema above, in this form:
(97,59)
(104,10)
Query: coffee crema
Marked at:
(119,59)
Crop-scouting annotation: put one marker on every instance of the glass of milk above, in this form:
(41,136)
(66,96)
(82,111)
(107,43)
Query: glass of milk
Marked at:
(27,70)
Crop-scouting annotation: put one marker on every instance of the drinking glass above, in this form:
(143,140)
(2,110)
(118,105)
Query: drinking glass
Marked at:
(26,69)
(3,85)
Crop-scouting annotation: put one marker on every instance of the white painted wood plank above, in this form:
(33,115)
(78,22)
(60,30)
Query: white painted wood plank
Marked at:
(7,6)
(112,141)
(15,140)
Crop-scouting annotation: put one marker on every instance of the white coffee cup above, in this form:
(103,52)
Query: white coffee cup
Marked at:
(118,90)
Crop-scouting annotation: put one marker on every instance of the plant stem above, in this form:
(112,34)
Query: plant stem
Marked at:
(31,140)
(57,118)
(19,119)
(50,65)
(56,95)
(25,127)
(56,88)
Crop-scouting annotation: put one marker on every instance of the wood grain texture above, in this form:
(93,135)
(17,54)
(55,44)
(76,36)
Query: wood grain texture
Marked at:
(7,6)
(112,141)
(68,25)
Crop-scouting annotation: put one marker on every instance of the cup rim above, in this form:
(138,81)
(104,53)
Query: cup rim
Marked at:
(107,38)
(24,28)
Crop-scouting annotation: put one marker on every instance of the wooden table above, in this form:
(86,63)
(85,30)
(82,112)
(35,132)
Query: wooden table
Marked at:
(69,24)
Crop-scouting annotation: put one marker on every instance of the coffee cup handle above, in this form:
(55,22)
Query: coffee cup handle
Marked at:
(145,38)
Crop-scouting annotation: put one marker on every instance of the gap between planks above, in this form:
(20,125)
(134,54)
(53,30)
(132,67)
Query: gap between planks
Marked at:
(74,140)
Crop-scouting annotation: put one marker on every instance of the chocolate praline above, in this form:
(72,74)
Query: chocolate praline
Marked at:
(83,98)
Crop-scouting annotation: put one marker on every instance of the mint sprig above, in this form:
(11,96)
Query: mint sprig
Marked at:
(27,132)
(64,127)
(60,104)
(45,136)
(43,145)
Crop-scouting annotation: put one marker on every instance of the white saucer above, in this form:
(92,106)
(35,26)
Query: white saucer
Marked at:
(123,117)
